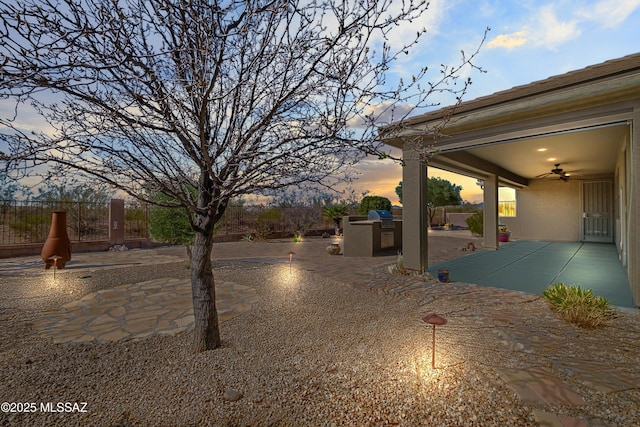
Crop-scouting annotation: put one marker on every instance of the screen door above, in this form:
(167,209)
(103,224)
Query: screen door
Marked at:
(596,211)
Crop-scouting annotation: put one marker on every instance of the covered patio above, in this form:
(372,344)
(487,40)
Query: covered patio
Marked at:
(569,148)
(531,266)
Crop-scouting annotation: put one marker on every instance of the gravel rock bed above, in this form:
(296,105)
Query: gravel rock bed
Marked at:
(312,352)
(26,296)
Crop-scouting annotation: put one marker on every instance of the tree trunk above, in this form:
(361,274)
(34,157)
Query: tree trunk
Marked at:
(431,212)
(206,330)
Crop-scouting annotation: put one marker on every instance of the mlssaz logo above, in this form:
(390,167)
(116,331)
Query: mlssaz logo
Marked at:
(63,407)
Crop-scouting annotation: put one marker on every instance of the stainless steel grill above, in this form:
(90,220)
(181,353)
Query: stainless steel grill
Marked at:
(385,218)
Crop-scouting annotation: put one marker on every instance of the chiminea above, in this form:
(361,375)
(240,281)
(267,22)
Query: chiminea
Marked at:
(57,247)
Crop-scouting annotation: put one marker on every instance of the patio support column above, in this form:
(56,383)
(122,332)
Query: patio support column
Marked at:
(633,241)
(490,212)
(414,216)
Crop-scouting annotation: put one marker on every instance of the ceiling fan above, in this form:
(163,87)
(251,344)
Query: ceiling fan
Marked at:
(557,170)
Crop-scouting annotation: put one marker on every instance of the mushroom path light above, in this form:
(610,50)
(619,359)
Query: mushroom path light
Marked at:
(433,319)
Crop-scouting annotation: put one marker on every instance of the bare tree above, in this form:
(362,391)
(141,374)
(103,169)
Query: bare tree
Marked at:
(227,98)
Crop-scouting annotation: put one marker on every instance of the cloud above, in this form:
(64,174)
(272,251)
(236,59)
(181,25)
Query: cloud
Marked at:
(508,41)
(379,177)
(550,27)
(609,13)
(23,117)
(544,29)
(383,113)
(430,20)
(549,31)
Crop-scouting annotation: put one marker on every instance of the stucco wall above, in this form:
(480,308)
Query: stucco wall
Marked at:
(548,209)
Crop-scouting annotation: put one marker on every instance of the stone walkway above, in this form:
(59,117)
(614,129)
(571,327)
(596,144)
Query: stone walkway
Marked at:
(132,312)
(163,306)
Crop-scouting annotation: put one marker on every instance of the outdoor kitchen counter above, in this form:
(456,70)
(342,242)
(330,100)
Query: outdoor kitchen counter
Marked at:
(367,238)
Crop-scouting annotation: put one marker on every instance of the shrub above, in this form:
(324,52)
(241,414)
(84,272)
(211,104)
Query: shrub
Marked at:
(300,219)
(369,203)
(579,306)
(476,223)
(30,222)
(400,264)
(136,219)
(270,216)
(170,224)
(267,222)
(335,213)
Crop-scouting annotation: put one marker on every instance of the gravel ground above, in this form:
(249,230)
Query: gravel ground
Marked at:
(311,352)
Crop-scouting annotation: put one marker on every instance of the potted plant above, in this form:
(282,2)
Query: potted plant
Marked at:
(503,233)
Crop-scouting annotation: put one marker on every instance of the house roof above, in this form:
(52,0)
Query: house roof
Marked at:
(605,70)
(582,117)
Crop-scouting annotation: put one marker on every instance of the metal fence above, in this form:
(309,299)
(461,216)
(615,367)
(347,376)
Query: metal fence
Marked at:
(24,222)
(28,222)
(136,220)
(261,221)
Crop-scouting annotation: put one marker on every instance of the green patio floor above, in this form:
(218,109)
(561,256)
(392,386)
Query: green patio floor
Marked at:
(531,266)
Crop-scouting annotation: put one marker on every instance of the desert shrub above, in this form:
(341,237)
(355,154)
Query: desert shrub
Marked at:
(400,263)
(30,223)
(170,225)
(136,219)
(300,219)
(369,203)
(86,205)
(335,212)
(579,306)
(476,223)
(267,222)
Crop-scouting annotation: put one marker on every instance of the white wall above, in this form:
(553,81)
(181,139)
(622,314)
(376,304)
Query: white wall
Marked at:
(548,209)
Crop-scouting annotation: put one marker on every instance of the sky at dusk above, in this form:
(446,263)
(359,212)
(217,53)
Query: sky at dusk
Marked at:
(529,40)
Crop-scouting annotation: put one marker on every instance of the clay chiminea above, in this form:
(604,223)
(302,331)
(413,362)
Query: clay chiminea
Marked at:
(57,247)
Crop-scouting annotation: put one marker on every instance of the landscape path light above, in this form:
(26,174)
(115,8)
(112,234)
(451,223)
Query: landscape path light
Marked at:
(433,319)
(290,260)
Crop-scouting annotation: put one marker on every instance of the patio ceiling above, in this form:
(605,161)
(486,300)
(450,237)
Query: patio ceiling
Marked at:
(583,153)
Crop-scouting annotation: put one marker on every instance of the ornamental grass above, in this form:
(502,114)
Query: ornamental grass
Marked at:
(579,306)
